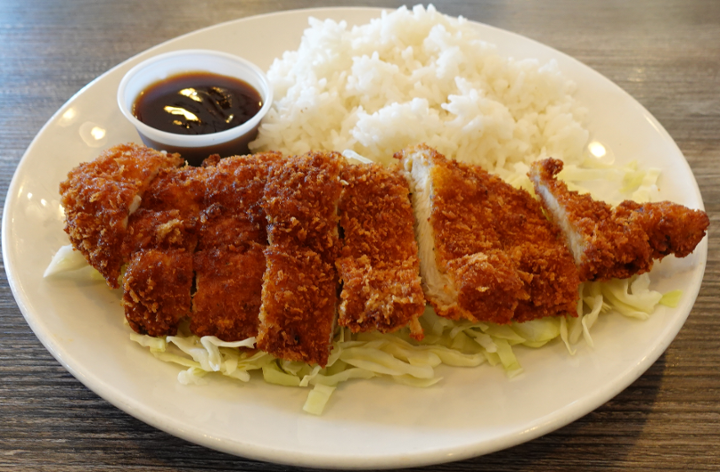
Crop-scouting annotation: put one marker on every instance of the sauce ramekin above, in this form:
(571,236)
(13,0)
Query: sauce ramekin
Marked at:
(195,148)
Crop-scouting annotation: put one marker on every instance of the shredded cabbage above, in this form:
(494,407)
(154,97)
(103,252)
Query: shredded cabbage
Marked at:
(397,356)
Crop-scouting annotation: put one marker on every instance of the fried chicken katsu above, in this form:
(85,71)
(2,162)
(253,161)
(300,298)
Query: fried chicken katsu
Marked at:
(159,246)
(299,292)
(378,266)
(484,244)
(230,261)
(276,247)
(616,242)
(537,250)
(98,197)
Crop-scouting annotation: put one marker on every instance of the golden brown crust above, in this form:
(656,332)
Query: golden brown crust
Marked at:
(157,290)
(300,284)
(379,266)
(97,197)
(164,227)
(228,284)
(180,189)
(237,184)
(617,242)
(298,305)
(671,228)
(301,197)
(150,229)
(489,287)
(538,253)
(462,210)
(504,260)
(230,263)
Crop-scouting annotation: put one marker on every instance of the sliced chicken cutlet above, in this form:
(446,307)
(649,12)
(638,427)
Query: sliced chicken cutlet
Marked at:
(616,242)
(465,271)
(538,251)
(98,197)
(229,261)
(159,246)
(299,292)
(487,253)
(379,265)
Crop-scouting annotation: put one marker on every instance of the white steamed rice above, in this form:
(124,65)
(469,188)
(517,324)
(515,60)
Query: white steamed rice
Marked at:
(416,76)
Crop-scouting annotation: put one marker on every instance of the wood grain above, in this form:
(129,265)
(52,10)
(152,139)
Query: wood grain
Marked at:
(666,54)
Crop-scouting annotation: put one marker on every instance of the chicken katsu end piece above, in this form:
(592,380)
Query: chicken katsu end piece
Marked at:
(615,242)
(98,196)
(671,228)
(300,203)
(299,295)
(379,267)
(157,290)
(465,272)
(228,285)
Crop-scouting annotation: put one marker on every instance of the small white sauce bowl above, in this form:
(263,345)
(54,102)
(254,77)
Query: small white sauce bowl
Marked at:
(194,148)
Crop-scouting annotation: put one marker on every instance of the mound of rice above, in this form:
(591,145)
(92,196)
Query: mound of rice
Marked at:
(416,76)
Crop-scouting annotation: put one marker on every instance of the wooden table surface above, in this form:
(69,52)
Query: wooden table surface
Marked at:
(666,54)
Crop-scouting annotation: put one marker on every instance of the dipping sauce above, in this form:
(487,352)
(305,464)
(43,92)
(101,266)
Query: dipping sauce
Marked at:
(197,103)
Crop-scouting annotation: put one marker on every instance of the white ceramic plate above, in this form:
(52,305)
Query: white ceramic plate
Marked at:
(367,424)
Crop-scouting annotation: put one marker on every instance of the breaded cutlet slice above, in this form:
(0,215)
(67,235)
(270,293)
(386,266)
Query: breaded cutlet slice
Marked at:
(537,249)
(229,261)
(466,273)
(157,287)
(159,246)
(98,197)
(299,295)
(227,299)
(379,265)
(615,242)
(299,292)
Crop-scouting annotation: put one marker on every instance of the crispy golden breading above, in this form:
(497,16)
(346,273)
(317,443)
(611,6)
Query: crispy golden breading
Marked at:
(537,250)
(616,242)
(492,254)
(163,230)
(99,195)
(489,287)
(298,305)
(379,265)
(228,288)
(465,272)
(222,226)
(463,210)
(181,189)
(247,187)
(150,229)
(300,283)
(230,263)
(300,203)
(157,290)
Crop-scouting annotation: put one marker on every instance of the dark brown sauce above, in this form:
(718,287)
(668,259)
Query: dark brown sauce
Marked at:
(197,103)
